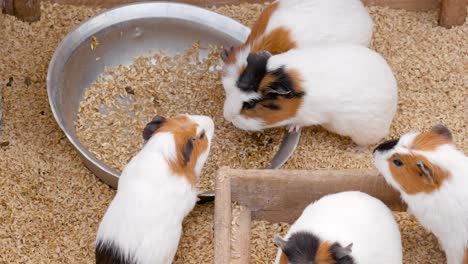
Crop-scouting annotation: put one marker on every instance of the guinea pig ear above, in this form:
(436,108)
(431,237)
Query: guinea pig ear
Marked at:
(187,150)
(340,252)
(152,126)
(442,131)
(280,90)
(425,172)
(280,242)
(281,84)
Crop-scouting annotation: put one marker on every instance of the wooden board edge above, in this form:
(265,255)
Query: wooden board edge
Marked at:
(240,240)
(452,13)
(222,217)
(270,194)
(412,5)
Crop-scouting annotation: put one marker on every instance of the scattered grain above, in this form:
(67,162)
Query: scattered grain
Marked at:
(51,204)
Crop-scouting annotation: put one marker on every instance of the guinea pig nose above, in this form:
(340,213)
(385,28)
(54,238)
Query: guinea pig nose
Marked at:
(387,145)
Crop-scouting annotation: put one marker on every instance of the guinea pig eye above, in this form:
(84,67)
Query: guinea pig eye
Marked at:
(397,162)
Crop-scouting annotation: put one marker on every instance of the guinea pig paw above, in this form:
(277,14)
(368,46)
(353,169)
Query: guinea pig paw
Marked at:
(294,128)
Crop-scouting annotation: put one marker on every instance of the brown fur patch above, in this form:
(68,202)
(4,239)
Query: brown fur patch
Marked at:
(277,41)
(429,141)
(283,258)
(465,259)
(324,254)
(256,32)
(183,130)
(261,24)
(288,106)
(409,175)
(267,81)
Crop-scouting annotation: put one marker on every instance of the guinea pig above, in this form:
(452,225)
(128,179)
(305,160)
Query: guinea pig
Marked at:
(432,177)
(296,24)
(156,191)
(343,228)
(348,89)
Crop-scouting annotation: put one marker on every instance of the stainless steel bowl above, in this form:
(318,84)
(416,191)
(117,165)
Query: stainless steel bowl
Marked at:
(122,34)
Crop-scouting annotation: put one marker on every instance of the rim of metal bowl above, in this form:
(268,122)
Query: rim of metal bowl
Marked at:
(105,19)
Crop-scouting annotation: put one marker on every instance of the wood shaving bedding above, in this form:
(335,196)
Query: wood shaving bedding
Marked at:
(51,204)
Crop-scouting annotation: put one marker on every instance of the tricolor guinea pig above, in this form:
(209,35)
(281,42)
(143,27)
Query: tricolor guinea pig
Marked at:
(343,228)
(296,24)
(156,191)
(432,177)
(348,89)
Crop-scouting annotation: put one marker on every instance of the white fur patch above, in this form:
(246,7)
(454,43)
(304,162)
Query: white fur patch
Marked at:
(310,23)
(144,220)
(444,212)
(342,217)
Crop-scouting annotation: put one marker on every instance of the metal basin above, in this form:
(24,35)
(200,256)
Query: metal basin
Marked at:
(122,34)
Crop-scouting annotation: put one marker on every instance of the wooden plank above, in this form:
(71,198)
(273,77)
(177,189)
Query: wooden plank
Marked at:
(26,10)
(452,13)
(411,5)
(281,195)
(415,5)
(222,218)
(240,239)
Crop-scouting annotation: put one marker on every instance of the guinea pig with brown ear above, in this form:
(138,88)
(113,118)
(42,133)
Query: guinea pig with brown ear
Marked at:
(432,177)
(348,89)
(156,191)
(297,24)
(342,228)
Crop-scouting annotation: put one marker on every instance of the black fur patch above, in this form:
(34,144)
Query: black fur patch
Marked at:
(187,151)
(250,104)
(272,107)
(387,145)
(152,126)
(108,253)
(282,86)
(302,247)
(250,78)
(343,260)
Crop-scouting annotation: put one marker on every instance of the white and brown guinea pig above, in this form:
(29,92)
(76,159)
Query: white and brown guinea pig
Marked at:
(348,89)
(432,177)
(343,228)
(156,191)
(296,24)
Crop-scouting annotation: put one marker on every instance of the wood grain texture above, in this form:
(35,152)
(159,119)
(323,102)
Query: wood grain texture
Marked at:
(415,5)
(26,10)
(411,5)
(7,7)
(281,195)
(452,13)
(241,238)
(222,217)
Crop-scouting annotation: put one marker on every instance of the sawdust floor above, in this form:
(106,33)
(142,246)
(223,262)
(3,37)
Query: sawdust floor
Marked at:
(50,204)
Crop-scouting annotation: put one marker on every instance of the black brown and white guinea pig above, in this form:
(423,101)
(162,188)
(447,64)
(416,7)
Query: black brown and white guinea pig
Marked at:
(342,228)
(296,24)
(156,191)
(432,177)
(348,89)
